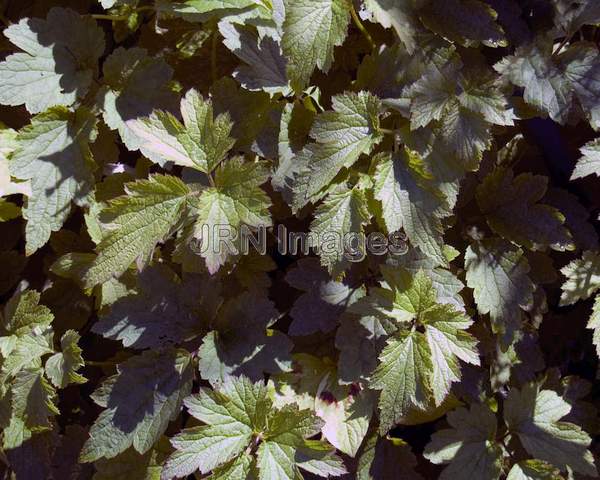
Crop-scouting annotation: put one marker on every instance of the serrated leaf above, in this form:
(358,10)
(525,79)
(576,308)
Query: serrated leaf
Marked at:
(411,201)
(341,135)
(323,301)
(164,311)
(534,416)
(583,278)
(134,223)
(61,368)
(386,459)
(421,359)
(311,31)
(235,200)
(242,342)
(533,470)
(201,142)
(265,67)
(498,273)
(33,399)
(135,84)
(140,400)
(237,416)
(589,163)
(53,153)
(469,447)
(342,216)
(467,22)
(59,60)
(346,410)
(512,209)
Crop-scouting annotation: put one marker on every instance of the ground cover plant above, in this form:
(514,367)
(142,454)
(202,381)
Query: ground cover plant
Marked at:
(299,239)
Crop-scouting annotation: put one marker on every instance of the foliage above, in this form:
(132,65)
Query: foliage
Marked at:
(434,311)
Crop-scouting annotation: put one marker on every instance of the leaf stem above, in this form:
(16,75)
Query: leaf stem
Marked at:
(120,18)
(361,26)
(566,40)
(100,364)
(387,131)
(112,18)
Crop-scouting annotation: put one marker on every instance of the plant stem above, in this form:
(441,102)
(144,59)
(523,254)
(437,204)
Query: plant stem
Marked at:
(566,40)
(100,364)
(360,26)
(387,131)
(112,18)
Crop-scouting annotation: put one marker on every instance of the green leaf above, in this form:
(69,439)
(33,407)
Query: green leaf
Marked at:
(589,163)
(53,153)
(386,459)
(164,311)
(235,200)
(135,84)
(512,210)
(345,409)
(498,274)
(201,142)
(26,334)
(58,63)
(265,67)
(552,82)
(134,223)
(583,278)
(242,342)
(61,368)
(140,400)
(401,16)
(240,420)
(33,399)
(462,102)
(533,470)
(323,300)
(8,185)
(410,200)
(311,31)
(339,221)
(131,465)
(594,324)
(467,22)
(469,446)
(534,416)
(421,360)
(342,136)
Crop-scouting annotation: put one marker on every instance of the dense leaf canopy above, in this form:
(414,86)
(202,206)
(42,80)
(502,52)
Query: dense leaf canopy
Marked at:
(299,239)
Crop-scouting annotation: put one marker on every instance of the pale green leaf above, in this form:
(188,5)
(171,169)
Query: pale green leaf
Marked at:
(135,84)
(512,209)
(59,60)
(53,153)
(235,200)
(410,200)
(311,31)
(583,278)
(61,368)
(140,400)
(134,223)
(342,136)
(469,446)
(339,221)
(589,163)
(498,274)
(201,142)
(534,416)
